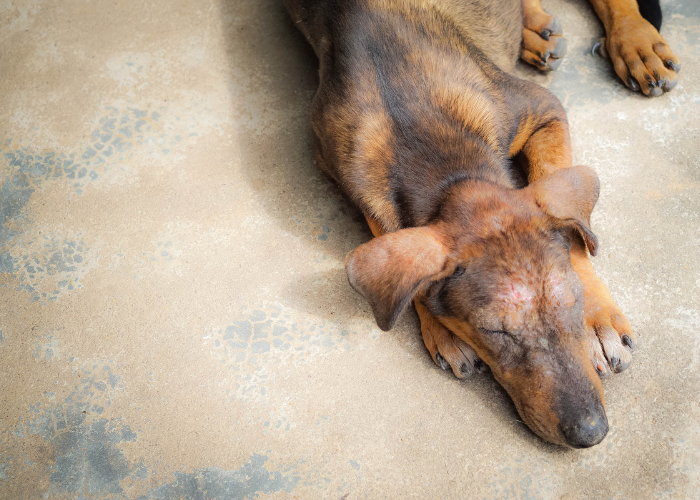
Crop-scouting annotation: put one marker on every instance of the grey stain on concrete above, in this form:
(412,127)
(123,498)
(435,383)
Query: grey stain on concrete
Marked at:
(247,345)
(46,266)
(46,347)
(32,255)
(275,331)
(248,482)
(88,461)
(117,133)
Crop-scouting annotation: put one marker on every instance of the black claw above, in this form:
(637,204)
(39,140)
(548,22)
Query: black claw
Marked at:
(595,48)
(465,369)
(614,364)
(556,27)
(668,86)
(675,67)
(480,366)
(441,361)
(555,63)
(618,366)
(629,342)
(545,34)
(632,84)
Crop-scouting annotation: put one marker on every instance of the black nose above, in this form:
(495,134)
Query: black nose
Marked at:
(586,430)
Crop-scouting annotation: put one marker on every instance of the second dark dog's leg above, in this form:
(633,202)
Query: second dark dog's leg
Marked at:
(640,55)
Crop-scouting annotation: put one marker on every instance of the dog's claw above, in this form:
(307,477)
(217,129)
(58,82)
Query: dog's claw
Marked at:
(615,364)
(675,67)
(556,27)
(638,51)
(629,342)
(480,366)
(555,64)
(668,86)
(619,366)
(469,369)
(599,49)
(441,361)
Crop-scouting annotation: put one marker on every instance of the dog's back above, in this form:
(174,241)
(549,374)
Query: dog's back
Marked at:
(413,96)
(492,26)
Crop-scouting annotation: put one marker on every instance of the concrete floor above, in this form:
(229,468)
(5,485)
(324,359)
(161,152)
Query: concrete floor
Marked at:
(175,321)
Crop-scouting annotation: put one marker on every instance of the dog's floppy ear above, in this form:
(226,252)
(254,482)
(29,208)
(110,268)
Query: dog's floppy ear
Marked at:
(570,195)
(388,270)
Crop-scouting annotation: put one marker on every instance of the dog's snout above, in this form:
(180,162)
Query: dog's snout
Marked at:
(586,429)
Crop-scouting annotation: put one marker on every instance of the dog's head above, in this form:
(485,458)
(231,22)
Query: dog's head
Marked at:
(495,269)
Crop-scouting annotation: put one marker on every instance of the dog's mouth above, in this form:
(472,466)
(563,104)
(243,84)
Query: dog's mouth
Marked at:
(574,424)
(538,425)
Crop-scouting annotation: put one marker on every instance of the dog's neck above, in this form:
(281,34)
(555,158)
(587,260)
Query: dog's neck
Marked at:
(420,196)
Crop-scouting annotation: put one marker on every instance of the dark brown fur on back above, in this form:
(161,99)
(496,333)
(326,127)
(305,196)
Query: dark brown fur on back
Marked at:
(414,98)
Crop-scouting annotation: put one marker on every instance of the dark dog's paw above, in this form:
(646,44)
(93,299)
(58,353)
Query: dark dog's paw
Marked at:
(641,57)
(610,338)
(543,45)
(446,349)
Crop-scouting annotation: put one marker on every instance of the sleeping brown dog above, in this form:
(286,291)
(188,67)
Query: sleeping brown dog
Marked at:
(419,121)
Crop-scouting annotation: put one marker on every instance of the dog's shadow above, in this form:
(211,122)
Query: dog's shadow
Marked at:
(274,75)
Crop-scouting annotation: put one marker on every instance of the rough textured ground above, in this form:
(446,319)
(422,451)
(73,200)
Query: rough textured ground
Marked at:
(175,321)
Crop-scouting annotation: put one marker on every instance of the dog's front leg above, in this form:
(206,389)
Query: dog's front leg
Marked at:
(445,347)
(611,340)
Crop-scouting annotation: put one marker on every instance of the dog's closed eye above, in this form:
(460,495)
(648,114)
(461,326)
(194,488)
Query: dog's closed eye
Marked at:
(494,332)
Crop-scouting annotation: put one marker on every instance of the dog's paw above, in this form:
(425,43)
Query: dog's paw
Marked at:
(641,57)
(543,45)
(446,349)
(610,337)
